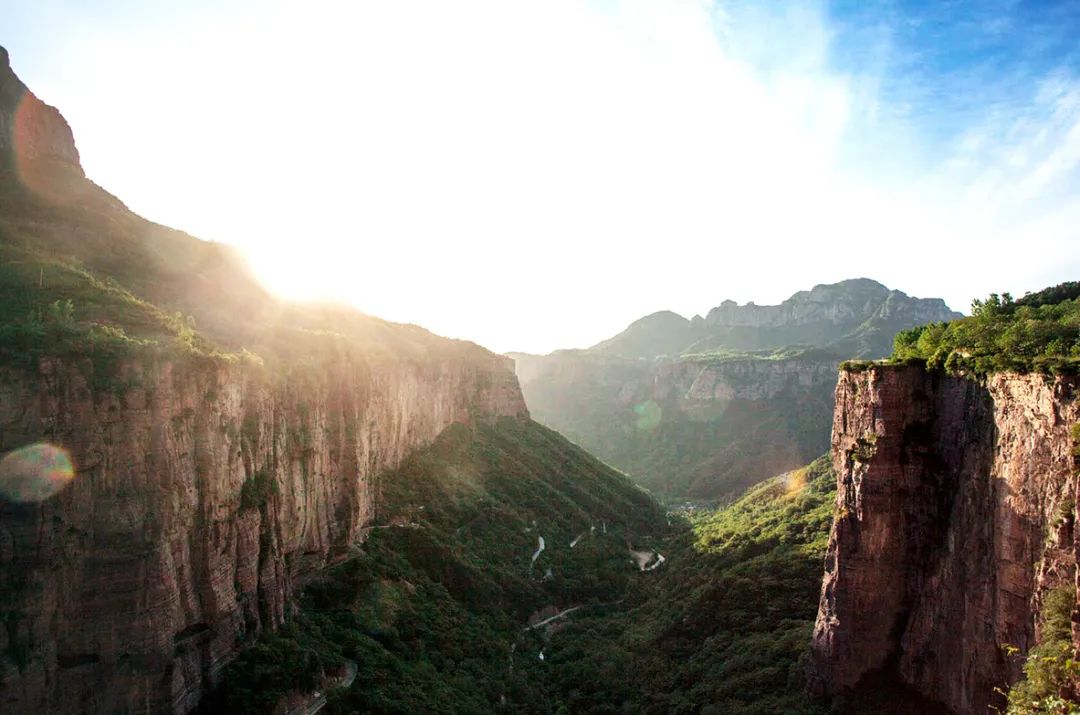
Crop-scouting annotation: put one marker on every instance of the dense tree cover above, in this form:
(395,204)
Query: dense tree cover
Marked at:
(1037,333)
(433,609)
(724,629)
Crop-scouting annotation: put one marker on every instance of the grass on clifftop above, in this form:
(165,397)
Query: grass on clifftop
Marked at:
(1037,333)
(50,307)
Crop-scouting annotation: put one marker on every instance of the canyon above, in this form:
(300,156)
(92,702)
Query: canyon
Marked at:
(238,462)
(130,589)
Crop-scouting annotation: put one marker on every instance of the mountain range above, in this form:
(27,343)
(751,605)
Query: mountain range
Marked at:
(705,407)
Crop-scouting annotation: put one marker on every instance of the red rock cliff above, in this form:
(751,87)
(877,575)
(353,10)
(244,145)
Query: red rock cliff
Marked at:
(954,515)
(133,587)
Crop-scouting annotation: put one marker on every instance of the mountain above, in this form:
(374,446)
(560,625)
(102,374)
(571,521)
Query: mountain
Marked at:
(703,408)
(181,449)
(211,498)
(858,316)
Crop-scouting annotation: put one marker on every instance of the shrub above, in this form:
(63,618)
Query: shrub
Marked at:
(1050,673)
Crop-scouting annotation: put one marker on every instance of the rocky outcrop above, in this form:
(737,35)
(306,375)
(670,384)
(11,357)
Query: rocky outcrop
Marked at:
(954,516)
(740,379)
(204,493)
(850,302)
(30,130)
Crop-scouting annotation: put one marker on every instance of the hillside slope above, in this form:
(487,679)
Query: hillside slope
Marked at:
(434,609)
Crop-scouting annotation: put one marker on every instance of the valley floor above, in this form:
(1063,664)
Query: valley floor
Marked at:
(464,614)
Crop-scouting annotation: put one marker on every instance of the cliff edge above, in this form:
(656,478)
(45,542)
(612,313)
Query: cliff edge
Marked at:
(954,519)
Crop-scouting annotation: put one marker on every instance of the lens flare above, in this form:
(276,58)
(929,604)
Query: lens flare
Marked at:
(649,415)
(43,151)
(34,473)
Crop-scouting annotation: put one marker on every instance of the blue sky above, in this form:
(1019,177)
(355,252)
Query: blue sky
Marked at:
(534,175)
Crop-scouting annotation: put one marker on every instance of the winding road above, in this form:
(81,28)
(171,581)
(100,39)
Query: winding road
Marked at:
(539,549)
(318,698)
(557,616)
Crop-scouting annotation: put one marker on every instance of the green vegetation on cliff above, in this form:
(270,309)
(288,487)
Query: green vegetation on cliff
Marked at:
(55,307)
(1037,333)
(1050,671)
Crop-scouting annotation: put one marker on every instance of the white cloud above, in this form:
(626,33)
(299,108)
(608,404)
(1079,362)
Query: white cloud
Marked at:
(535,175)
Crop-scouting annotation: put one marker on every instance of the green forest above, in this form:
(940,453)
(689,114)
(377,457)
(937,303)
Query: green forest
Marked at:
(434,609)
(1037,333)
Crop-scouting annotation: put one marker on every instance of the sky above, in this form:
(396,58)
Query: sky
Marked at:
(537,175)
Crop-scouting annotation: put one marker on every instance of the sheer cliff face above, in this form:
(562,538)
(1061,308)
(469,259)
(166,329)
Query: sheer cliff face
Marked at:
(132,587)
(954,516)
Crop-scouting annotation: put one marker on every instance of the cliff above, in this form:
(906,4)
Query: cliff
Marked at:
(31,130)
(955,512)
(225,444)
(202,497)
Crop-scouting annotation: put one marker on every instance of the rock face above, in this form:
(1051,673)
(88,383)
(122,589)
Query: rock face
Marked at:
(207,487)
(31,130)
(954,516)
(203,496)
(849,302)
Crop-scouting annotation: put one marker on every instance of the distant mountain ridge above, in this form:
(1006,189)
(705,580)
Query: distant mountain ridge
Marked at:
(842,313)
(704,407)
